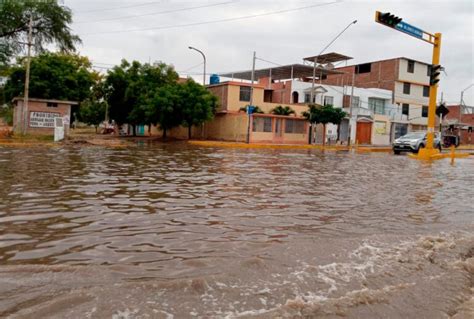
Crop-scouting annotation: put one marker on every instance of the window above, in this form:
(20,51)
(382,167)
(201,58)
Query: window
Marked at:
(245,93)
(428,70)
(307,98)
(262,124)
(363,68)
(377,105)
(355,101)
(426,91)
(411,66)
(405,109)
(328,100)
(424,111)
(52,104)
(406,88)
(294,126)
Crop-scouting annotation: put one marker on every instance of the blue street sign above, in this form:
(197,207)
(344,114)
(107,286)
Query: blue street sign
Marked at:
(250,109)
(411,30)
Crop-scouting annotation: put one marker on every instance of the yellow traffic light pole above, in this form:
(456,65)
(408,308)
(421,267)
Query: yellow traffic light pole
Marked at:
(429,152)
(394,22)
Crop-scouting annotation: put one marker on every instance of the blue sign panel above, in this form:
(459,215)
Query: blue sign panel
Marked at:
(411,30)
(250,109)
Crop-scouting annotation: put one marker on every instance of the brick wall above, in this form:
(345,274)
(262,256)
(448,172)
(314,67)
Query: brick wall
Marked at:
(383,75)
(37,106)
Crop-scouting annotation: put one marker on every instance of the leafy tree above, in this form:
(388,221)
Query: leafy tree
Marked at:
(6,113)
(162,107)
(337,117)
(283,110)
(50,25)
(323,115)
(255,110)
(92,110)
(131,84)
(53,76)
(197,105)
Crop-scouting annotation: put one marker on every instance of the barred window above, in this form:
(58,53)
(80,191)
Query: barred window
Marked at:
(244,93)
(262,124)
(294,126)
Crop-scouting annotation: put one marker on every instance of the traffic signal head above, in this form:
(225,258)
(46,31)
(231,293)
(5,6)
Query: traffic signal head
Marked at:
(435,71)
(388,19)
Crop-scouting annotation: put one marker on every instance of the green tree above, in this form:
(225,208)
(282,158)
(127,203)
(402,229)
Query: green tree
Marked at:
(283,110)
(337,116)
(53,76)
(92,110)
(50,25)
(196,104)
(131,84)
(162,107)
(318,114)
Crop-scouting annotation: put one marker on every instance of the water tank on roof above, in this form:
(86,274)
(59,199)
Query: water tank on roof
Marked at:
(214,79)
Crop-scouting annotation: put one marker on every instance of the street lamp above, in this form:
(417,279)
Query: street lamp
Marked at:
(204,57)
(314,69)
(322,51)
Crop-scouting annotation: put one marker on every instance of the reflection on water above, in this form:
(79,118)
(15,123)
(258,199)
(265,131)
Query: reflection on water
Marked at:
(176,212)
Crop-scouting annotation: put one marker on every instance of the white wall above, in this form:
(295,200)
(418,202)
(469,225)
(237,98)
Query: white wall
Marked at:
(419,75)
(393,112)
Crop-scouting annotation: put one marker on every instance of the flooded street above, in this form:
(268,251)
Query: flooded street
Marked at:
(180,231)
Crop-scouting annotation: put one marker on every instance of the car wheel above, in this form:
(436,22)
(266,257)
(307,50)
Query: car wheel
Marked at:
(396,152)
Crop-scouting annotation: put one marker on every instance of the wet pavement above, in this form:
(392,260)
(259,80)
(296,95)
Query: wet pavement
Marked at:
(178,231)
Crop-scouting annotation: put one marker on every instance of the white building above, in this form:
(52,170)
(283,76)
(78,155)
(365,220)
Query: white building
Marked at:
(373,113)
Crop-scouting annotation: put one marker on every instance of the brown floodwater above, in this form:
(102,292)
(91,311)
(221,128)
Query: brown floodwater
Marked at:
(179,231)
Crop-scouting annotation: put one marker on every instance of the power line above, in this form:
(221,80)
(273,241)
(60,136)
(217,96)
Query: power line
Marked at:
(123,7)
(157,13)
(220,20)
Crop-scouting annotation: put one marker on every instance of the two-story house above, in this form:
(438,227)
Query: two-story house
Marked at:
(406,78)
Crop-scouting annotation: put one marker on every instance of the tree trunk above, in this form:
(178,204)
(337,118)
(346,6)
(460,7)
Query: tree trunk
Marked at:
(310,134)
(324,134)
(189,131)
(338,132)
(134,131)
(149,129)
(164,133)
(95,129)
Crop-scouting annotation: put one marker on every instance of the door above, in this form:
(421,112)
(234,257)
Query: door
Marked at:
(364,132)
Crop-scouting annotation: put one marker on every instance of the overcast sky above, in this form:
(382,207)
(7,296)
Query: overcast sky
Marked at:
(106,29)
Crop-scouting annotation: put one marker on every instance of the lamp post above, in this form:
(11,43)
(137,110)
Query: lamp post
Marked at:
(461,104)
(204,57)
(314,69)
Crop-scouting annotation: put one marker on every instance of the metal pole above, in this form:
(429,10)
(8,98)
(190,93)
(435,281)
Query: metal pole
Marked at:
(433,94)
(350,109)
(204,57)
(27,77)
(251,97)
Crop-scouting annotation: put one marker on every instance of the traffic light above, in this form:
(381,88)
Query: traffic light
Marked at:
(388,19)
(435,71)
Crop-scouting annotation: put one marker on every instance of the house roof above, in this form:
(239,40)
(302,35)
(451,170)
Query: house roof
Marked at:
(46,101)
(291,71)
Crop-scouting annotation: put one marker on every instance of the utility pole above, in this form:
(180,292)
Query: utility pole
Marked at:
(350,109)
(250,106)
(27,77)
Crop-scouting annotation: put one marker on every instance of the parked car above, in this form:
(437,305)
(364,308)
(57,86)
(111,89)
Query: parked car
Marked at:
(412,142)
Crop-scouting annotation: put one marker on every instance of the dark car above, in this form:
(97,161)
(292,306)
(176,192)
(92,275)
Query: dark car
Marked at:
(412,142)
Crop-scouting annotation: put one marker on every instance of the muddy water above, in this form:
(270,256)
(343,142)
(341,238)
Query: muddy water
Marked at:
(176,231)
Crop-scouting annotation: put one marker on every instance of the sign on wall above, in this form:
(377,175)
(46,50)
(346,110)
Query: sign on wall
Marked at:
(43,119)
(380,127)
